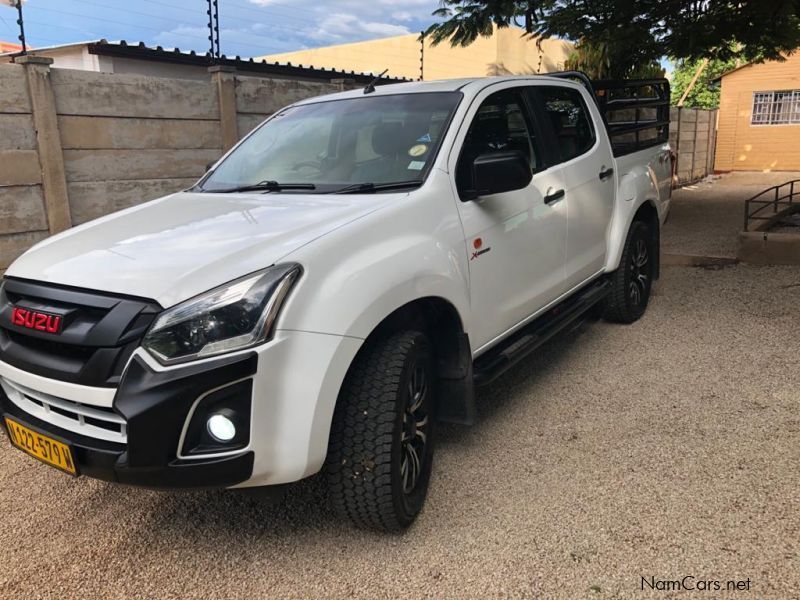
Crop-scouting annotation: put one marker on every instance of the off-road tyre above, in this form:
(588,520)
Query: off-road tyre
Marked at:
(632,282)
(369,461)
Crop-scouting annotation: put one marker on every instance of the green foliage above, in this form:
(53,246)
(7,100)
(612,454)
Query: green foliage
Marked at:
(705,93)
(623,35)
(596,61)
(465,21)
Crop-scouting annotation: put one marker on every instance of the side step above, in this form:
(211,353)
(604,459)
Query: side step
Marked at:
(490,365)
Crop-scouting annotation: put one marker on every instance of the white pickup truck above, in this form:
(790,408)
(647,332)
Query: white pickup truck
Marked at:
(335,285)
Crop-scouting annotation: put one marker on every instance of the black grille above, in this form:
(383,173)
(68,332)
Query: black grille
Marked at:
(99,332)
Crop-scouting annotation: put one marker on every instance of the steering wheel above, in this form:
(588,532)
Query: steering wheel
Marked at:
(309,164)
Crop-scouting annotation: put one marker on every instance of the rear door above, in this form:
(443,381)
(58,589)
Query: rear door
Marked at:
(584,154)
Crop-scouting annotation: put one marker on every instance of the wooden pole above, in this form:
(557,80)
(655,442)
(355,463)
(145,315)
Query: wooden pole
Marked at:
(689,87)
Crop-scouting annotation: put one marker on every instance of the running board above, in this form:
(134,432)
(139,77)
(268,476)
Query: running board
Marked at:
(520,344)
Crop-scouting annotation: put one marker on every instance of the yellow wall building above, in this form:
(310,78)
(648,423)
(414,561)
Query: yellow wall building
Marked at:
(759,117)
(506,52)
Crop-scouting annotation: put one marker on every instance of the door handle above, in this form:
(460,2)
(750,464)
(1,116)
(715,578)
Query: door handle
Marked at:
(606,173)
(554,197)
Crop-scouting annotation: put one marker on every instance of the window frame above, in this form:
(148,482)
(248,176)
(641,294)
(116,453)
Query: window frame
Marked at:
(554,146)
(772,118)
(531,121)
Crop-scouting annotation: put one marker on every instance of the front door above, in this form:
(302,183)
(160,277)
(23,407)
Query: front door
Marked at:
(516,241)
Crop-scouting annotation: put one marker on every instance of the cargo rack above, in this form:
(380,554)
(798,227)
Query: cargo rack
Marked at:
(635,111)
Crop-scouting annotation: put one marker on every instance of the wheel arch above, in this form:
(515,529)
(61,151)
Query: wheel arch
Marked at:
(441,321)
(646,212)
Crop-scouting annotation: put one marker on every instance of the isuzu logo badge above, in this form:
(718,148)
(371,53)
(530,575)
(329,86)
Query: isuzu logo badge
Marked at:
(34,319)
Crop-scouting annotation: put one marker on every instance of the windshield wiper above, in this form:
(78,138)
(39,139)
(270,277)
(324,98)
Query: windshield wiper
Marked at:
(369,187)
(268,186)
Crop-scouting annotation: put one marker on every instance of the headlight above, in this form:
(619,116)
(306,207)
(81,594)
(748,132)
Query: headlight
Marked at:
(231,317)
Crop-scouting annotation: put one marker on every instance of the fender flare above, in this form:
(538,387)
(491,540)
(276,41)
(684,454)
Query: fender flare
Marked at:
(637,189)
(644,210)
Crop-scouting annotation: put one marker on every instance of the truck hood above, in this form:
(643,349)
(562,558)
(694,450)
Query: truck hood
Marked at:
(181,245)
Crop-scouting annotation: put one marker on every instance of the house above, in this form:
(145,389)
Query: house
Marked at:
(9,47)
(759,117)
(507,51)
(137,59)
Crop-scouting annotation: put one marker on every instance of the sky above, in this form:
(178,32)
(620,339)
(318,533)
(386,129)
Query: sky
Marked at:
(247,27)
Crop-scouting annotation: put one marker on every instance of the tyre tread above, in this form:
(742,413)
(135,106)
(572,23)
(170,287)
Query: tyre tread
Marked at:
(359,460)
(617,309)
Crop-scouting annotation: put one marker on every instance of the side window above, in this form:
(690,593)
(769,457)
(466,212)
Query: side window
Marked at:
(570,120)
(500,125)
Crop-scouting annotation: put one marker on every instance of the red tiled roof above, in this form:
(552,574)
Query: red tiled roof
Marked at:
(9,47)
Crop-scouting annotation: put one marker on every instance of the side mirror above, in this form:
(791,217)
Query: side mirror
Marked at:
(498,172)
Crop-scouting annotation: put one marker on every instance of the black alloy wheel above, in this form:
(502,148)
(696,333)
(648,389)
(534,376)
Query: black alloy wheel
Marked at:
(639,286)
(632,282)
(414,437)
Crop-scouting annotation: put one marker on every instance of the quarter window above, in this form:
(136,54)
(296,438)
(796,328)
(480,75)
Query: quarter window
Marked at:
(776,108)
(569,118)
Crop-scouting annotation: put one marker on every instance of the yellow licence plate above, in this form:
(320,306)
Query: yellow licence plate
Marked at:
(40,446)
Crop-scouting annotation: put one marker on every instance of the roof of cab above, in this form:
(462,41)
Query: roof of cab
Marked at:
(472,84)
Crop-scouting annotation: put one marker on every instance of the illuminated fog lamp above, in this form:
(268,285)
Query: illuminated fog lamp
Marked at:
(221,428)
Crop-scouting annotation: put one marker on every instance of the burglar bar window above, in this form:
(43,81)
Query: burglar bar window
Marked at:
(776,108)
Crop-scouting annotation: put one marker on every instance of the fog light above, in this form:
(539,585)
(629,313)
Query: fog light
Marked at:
(221,428)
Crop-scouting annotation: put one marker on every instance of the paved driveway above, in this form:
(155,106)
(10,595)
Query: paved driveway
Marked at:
(663,449)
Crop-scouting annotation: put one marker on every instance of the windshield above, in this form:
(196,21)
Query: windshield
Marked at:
(339,144)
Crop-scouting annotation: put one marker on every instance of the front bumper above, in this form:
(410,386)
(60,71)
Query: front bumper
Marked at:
(295,379)
(155,407)
(103,460)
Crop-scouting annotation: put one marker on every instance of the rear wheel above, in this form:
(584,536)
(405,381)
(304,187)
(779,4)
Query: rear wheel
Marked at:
(633,280)
(381,443)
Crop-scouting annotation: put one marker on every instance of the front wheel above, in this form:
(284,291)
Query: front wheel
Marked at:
(381,443)
(632,281)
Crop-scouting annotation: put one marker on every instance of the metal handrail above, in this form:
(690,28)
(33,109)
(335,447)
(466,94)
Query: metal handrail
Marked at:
(788,199)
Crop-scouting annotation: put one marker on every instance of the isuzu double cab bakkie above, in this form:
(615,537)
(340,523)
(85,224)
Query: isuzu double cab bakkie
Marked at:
(336,285)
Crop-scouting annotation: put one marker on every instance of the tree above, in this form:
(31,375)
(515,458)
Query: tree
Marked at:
(596,61)
(635,32)
(705,93)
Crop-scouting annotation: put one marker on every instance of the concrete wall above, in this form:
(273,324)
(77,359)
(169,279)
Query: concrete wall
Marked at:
(76,145)
(23,220)
(692,136)
(506,52)
(746,147)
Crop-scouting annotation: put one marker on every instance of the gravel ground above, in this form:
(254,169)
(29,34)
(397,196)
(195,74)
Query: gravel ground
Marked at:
(667,448)
(719,201)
